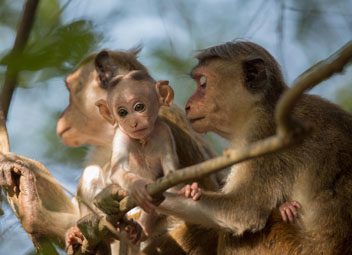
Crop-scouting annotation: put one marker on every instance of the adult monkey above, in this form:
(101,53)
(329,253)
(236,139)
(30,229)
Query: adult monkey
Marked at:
(50,215)
(238,87)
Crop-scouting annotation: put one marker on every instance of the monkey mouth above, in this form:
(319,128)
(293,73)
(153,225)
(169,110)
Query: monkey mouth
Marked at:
(192,120)
(140,130)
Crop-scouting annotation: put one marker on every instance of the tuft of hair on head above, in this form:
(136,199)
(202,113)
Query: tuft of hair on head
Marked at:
(234,49)
(135,50)
(137,75)
(140,75)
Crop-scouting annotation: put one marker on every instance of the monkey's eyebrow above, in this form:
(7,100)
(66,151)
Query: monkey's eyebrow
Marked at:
(191,74)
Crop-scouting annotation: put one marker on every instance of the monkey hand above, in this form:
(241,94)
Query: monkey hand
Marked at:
(191,191)
(140,194)
(289,211)
(134,231)
(108,199)
(19,182)
(73,240)
(10,172)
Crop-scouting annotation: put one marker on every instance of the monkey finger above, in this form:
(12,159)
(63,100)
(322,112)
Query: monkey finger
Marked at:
(296,204)
(195,191)
(187,190)
(196,196)
(283,214)
(7,168)
(289,215)
(2,177)
(77,240)
(293,210)
(194,185)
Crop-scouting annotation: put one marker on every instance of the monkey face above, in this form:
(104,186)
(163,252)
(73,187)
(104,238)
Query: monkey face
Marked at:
(81,123)
(77,124)
(202,108)
(221,103)
(136,109)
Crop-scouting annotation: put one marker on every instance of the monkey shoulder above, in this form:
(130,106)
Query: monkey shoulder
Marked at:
(163,132)
(323,115)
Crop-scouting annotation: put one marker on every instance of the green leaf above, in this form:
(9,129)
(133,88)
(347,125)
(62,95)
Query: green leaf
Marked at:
(61,50)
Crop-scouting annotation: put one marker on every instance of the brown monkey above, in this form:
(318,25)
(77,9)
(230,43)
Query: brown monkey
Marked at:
(132,103)
(143,147)
(79,124)
(238,87)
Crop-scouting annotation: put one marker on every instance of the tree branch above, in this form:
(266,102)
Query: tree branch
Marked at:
(11,73)
(22,36)
(288,132)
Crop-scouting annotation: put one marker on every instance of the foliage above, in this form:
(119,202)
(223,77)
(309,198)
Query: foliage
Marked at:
(344,97)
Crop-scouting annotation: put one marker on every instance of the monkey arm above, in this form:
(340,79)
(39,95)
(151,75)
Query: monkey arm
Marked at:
(244,206)
(36,198)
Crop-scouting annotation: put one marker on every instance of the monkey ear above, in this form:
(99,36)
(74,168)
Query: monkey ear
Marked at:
(255,73)
(105,112)
(104,67)
(165,93)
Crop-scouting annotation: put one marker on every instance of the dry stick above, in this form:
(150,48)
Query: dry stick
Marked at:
(288,131)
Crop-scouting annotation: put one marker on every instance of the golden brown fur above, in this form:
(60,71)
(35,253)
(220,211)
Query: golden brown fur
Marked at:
(236,99)
(80,124)
(190,147)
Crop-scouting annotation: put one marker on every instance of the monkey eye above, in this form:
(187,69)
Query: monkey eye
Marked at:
(203,82)
(139,107)
(122,112)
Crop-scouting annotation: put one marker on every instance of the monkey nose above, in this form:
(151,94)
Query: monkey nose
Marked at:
(134,124)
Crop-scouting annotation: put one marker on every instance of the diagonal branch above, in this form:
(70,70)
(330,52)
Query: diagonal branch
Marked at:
(288,131)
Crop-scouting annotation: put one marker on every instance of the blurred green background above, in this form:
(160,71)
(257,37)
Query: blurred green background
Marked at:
(297,32)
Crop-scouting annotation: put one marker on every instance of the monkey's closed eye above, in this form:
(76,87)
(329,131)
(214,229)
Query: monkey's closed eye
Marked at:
(203,82)
(139,107)
(122,112)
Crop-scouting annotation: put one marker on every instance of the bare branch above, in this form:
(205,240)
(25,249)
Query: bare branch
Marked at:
(310,78)
(288,132)
(22,36)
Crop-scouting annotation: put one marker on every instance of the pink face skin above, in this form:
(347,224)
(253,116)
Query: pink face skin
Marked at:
(136,109)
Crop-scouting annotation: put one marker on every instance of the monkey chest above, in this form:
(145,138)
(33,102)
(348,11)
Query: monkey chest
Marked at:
(146,164)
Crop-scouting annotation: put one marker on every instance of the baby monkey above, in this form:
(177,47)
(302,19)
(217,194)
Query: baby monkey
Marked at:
(143,146)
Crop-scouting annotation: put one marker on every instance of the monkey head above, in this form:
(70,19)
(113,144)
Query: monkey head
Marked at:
(77,125)
(233,82)
(133,103)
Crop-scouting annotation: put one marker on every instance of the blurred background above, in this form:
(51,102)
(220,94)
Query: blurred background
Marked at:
(297,32)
